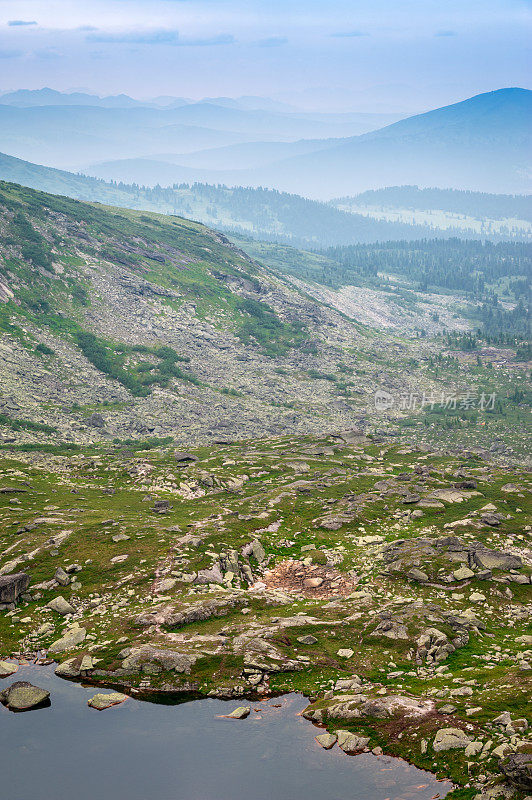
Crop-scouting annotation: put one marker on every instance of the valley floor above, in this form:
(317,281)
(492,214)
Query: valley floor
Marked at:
(389,584)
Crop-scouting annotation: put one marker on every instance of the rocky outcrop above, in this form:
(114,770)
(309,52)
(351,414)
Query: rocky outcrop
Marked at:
(446,559)
(517,769)
(154,660)
(362,705)
(433,646)
(196,612)
(11,587)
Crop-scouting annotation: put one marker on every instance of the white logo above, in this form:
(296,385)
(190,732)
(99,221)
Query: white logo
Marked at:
(383,400)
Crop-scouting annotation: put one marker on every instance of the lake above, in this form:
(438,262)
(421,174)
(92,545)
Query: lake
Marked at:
(153,751)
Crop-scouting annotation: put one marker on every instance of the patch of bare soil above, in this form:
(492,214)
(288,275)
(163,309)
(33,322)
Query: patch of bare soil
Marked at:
(310,581)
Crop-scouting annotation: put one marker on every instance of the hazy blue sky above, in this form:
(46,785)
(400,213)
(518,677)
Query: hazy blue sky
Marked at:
(367,54)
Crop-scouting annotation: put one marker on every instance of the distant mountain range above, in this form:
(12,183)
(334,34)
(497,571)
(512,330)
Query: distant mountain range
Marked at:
(481,144)
(26,98)
(281,217)
(74,130)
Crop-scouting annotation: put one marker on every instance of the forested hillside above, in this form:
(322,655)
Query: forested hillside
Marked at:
(465,265)
(262,213)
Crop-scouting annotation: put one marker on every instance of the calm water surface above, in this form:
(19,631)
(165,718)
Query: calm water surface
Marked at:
(148,751)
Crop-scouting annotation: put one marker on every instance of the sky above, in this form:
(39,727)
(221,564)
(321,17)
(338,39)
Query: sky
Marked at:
(330,55)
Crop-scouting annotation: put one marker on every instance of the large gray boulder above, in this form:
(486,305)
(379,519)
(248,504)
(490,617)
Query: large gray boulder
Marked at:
(61,606)
(12,586)
(517,769)
(450,739)
(23,696)
(212,575)
(68,641)
(351,742)
(61,577)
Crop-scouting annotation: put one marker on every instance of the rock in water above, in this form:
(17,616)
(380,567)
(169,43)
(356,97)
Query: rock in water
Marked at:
(240,713)
(350,742)
(70,668)
(7,669)
(23,696)
(102,701)
(327,740)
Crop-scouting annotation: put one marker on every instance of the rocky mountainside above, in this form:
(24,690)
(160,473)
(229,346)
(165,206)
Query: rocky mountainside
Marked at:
(127,324)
